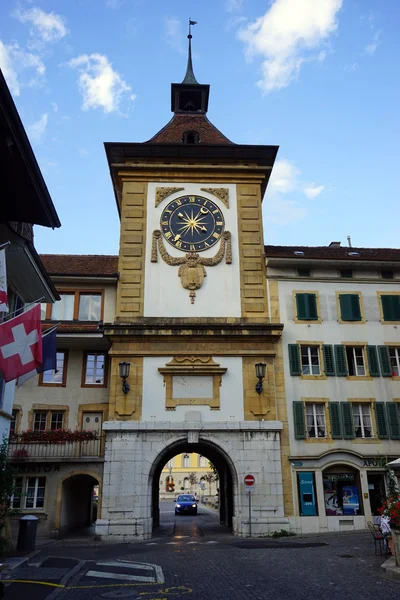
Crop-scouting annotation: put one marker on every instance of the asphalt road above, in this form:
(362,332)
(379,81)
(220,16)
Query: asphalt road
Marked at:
(193,557)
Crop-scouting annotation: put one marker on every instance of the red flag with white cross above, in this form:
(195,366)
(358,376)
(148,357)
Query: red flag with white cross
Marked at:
(21,344)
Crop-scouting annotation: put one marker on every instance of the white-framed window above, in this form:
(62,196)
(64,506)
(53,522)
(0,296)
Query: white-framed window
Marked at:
(39,420)
(315,416)
(202,461)
(362,420)
(56,420)
(56,377)
(186,483)
(16,498)
(186,460)
(63,309)
(394,354)
(94,369)
(310,360)
(89,307)
(35,489)
(48,419)
(356,361)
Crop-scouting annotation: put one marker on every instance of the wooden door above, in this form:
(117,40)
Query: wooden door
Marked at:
(92,421)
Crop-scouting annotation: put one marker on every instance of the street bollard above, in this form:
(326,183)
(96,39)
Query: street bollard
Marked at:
(27,532)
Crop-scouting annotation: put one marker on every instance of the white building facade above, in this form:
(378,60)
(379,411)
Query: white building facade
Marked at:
(341,345)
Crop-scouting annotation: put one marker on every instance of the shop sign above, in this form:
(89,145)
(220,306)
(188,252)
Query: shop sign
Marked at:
(38,468)
(339,476)
(377,461)
(308,506)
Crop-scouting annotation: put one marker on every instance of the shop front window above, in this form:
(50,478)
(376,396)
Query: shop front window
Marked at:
(342,493)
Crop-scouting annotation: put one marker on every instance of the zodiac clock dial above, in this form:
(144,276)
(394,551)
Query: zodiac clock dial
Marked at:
(192,223)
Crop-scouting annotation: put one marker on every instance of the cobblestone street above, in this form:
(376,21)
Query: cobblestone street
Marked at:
(193,558)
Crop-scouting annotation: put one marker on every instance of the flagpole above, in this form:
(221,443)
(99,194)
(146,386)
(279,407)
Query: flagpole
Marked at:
(4,245)
(51,329)
(22,308)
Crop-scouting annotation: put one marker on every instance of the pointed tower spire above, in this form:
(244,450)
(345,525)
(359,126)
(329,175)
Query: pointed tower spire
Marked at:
(190,77)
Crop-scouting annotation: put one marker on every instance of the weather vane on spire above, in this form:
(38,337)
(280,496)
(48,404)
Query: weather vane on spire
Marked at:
(190,24)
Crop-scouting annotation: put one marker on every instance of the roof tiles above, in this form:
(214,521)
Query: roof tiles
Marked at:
(333,253)
(172,132)
(81,264)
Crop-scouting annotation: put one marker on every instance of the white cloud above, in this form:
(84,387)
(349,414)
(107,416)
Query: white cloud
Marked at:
(50,27)
(285,179)
(351,67)
(371,48)
(100,85)
(13,61)
(232,6)
(37,129)
(312,190)
(287,36)
(54,106)
(174,34)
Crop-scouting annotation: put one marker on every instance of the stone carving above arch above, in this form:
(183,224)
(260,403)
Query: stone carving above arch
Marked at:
(220,193)
(164,192)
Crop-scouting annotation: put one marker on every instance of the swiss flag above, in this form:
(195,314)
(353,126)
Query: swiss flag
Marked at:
(21,344)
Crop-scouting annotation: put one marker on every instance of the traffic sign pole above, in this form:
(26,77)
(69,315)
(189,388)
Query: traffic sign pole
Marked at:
(249,481)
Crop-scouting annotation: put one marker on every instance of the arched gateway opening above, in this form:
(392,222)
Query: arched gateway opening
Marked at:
(226,475)
(77,509)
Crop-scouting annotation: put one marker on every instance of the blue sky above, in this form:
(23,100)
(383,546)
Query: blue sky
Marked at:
(319,78)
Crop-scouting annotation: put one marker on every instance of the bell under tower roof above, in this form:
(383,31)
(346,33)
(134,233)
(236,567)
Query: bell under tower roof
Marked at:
(189,96)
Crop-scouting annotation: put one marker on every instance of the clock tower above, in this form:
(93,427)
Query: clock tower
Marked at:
(193,318)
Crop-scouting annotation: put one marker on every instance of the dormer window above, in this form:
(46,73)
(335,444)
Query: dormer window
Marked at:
(191,137)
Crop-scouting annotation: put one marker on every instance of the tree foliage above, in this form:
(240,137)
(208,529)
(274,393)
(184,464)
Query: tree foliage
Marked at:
(7,475)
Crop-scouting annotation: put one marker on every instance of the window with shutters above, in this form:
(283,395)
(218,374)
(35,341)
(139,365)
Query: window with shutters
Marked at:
(389,305)
(349,307)
(315,420)
(306,307)
(310,360)
(394,354)
(355,361)
(362,420)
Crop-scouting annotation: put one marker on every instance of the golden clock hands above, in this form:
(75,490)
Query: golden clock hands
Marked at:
(177,237)
(204,210)
(181,216)
(203,229)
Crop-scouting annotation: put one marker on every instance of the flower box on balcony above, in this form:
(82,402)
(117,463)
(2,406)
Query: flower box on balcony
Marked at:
(57,436)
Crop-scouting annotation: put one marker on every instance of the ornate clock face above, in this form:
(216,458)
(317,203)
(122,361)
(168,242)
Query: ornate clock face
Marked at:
(192,223)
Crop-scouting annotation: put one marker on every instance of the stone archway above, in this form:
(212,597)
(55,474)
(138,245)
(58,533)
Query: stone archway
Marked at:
(72,514)
(227,477)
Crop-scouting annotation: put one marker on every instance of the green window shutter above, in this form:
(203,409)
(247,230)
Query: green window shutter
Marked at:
(294,359)
(299,421)
(347,420)
(301,306)
(381,422)
(373,363)
(391,308)
(393,420)
(336,422)
(350,307)
(385,361)
(312,306)
(329,363)
(306,307)
(341,361)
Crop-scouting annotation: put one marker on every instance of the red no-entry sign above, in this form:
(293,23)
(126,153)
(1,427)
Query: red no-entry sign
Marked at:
(249,480)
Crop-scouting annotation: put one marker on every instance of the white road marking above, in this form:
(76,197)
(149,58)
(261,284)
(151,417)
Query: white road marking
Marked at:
(193,542)
(121,576)
(152,544)
(171,543)
(211,542)
(126,564)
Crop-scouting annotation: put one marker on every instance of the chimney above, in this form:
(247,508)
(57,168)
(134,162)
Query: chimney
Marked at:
(334,245)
